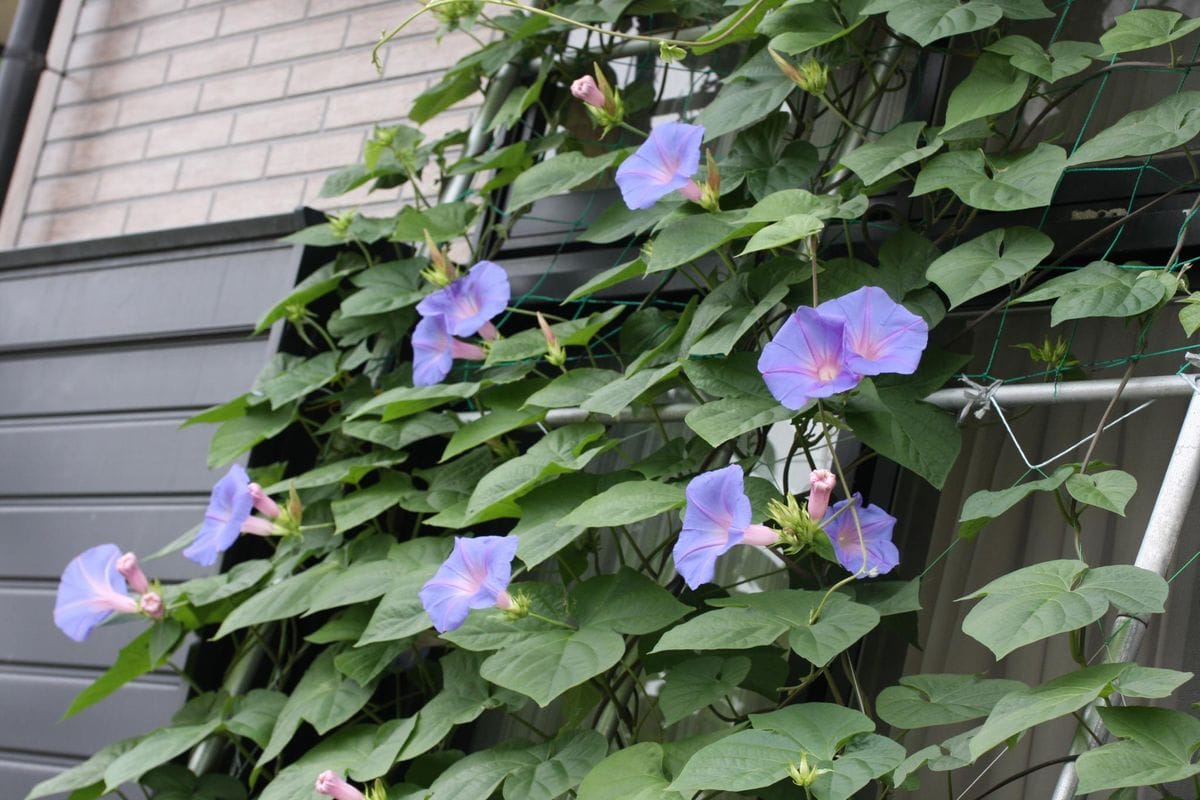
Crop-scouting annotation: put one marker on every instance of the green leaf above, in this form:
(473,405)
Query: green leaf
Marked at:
(323,697)
(455,85)
(287,598)
(541,532)
(627,502)
(83,775)
(698,683)
(1156,748)
(609,277)
(784,232)
(921,701)
(1024,708)
(627,602)
(894,420)
(132,661)
(842,621)
(634,773)
(346,470)
(744,102)
(619,221)
(1064,59)
(560,451)
(254,715)
(988,262)
(690,238)
(496,422)
(301,379)
(557,766)
(1150,682)
(546,664)
(736,27)
(721,420)
(531,343)
(1099,290)
(397,436)
(997,183)
(158,747)
(800,27)
(724,629)
(236,436)
(572,388)
(1169,123)
(984,506)
(757,159)
(891,152)
(405,401)
(320,283)
(1189,314)
(926,21)
(1054,597)
(613,399)
(557,175)
(358,507)
(210,589)
(342,751)
(1144,28)
(734,375)
(1109,490)
(992,87)
(444,222)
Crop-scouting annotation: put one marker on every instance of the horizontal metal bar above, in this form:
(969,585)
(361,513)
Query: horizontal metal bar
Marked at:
(951,399)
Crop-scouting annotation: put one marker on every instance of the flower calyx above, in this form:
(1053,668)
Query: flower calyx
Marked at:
(804,774)
(797,530)
(441,271)
(603,102)
(556,354)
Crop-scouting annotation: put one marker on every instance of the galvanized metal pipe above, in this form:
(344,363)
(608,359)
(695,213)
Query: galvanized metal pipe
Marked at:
(1155,554)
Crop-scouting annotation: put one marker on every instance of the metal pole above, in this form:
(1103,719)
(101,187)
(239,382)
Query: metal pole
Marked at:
(1155,554)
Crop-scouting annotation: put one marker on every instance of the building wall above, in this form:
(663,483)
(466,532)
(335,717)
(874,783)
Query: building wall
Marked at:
(171,113)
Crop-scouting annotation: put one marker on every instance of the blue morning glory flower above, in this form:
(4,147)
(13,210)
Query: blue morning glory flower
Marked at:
(877,526)
(716,519)
(806,359)
(880,334)
(664,163)
(469,303)
(229,508)
(90,591)
(476,575)
(434,351)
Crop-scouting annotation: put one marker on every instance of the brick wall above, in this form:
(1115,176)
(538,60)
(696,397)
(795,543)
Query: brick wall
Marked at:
(180,112)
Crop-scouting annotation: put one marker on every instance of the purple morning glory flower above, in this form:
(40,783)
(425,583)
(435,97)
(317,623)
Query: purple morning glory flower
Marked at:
(229,508)
(434,351)
(876,524)
(469,303)
(716,518)
(806,359)
(476,575)
(881,335)
(666,161)
(90,591)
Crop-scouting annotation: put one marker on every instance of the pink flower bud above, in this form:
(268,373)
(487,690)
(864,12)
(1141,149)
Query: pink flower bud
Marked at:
(822,482)
(586,90)
(258,526)
(131,571)
(152,604)
(330,784)
(264,504)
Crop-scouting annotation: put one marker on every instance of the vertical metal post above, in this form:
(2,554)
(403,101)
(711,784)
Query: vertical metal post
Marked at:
(1155,554)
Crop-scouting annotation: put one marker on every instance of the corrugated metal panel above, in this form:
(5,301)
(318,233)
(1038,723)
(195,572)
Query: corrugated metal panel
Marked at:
(101,358)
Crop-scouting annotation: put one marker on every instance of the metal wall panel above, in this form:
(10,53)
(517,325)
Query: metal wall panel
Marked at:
(102,356)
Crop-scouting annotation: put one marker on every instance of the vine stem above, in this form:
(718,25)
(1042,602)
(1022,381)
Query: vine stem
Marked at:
(750,11)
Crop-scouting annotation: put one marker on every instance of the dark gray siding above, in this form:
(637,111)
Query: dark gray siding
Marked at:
(101,358)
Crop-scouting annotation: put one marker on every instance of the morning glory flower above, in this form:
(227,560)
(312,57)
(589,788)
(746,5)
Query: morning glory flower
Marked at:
(716,518)
(469,303)
(229,509)
(434,351)
(90,591)
(476,575)
(331,784)
(806,359)
(665,162)
(881,335)
(876,524)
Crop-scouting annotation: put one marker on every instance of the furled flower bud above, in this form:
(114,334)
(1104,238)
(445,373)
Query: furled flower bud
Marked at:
(263,503)
(441,271)
(555,353)
(586,90)
(331,784)
(812,76)
(131,571)
(340,223)
(710,192)
(152,605)
(822,482)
